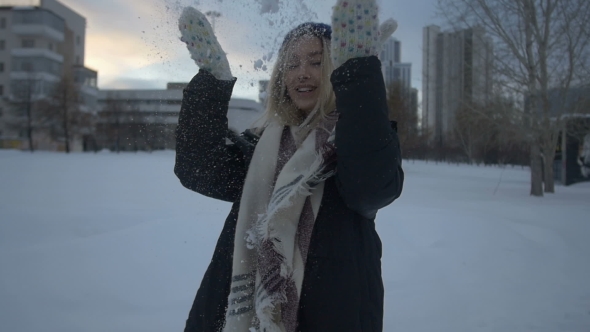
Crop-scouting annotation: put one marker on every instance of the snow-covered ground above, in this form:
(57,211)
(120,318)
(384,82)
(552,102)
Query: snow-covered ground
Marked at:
(106,242)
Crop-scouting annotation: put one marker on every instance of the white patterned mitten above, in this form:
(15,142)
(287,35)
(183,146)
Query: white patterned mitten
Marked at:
(356,31)
(202,44)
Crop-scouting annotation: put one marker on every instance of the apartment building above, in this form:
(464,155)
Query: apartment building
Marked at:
(393,69)
(40,42)
(396,71)
(456,69)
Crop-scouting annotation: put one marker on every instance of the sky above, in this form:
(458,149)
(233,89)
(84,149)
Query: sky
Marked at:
(134,44)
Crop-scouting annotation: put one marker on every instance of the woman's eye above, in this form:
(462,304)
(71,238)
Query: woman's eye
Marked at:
(291,67)
(319,63)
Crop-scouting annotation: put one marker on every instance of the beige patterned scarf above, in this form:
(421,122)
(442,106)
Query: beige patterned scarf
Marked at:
(280,201)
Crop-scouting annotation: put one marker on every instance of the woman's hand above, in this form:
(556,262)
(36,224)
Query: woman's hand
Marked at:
(356,31)
(202,44)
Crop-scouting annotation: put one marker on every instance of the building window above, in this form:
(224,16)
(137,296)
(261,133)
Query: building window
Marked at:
(1,67)
(51,46)
(77,40)
(1,90)
(3,23)
(28,43)
(1,113)
(2,45)
(77,59)
(26,66)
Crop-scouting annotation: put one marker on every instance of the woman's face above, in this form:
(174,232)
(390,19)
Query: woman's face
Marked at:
(303,70)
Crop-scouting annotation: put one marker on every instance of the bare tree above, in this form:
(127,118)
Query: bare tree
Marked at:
(541,51)
(400,109)
(136,129)
(23,101)
(113,118)
(62,112)
(473,131)
(489,133)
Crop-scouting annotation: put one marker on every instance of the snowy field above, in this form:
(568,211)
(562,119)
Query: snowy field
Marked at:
(106,242)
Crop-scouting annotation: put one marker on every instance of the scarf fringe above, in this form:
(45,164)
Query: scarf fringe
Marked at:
(303,185)
(265,310)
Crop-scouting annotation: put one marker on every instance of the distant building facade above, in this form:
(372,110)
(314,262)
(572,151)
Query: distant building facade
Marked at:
(40,42)
(456,69)
(393,69)
(396,71)
(131,120)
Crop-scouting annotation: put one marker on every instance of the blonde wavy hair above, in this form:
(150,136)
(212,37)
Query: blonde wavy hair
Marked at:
(280,107)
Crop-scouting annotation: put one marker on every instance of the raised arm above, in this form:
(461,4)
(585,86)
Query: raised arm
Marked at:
(369,174)
(204,162)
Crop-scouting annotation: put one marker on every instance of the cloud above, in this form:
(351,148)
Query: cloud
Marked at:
(136,41)
(124,36)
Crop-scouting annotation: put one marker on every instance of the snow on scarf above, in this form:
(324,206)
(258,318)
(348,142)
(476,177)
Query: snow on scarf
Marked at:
(280,201)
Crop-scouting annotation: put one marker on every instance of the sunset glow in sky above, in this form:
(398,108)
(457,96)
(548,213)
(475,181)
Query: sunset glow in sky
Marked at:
(135,43)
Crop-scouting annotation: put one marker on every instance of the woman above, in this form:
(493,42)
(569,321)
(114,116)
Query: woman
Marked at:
(299,251)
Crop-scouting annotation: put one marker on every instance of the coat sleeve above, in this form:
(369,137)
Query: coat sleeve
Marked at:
(204,162)
(369,174)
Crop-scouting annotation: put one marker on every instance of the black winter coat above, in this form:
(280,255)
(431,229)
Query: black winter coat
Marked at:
(342,287)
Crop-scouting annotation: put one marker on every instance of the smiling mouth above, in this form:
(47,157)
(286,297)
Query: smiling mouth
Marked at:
(305,90)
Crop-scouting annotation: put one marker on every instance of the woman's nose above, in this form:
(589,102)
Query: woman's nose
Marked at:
(303,72)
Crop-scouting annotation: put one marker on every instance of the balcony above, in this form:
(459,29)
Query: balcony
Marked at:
(33,87)
(37,52)
(38,22)
(35,65)
(85,77)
